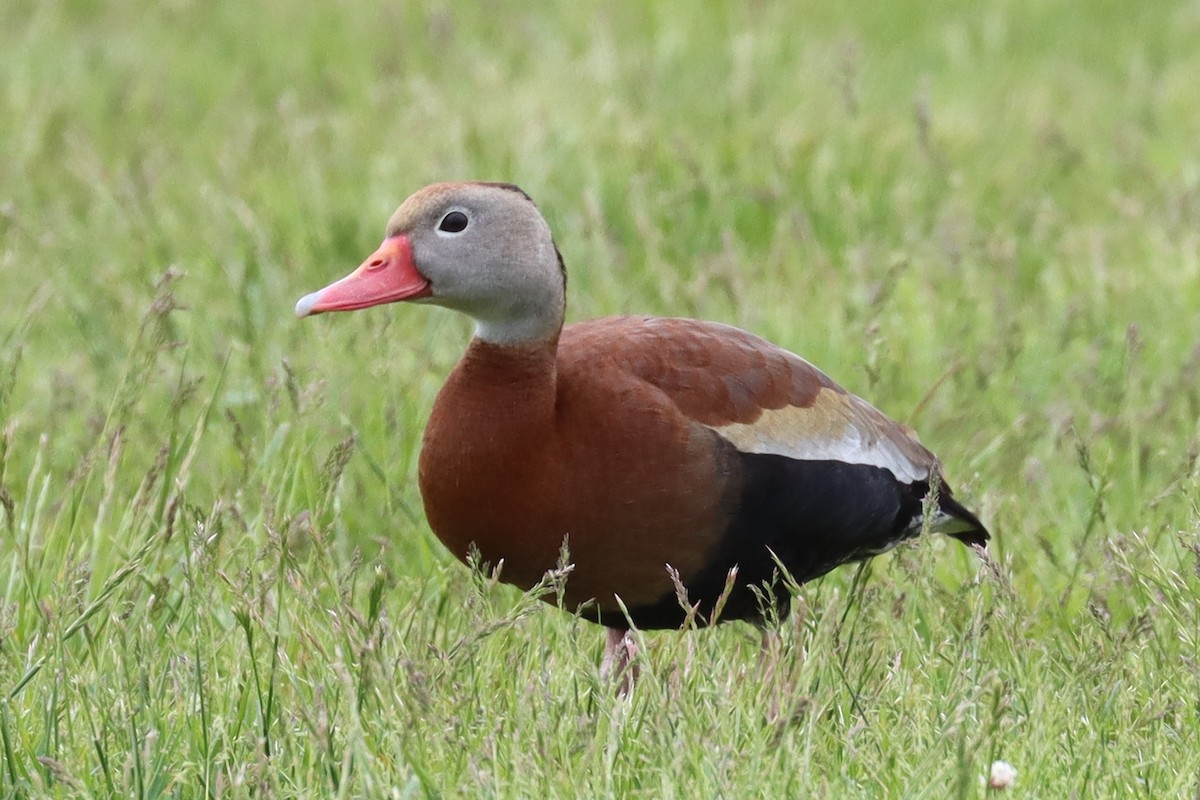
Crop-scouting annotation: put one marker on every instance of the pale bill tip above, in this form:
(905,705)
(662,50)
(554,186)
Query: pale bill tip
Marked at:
(306,303)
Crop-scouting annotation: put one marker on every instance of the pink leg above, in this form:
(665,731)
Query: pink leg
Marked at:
(769,653)
(619,652)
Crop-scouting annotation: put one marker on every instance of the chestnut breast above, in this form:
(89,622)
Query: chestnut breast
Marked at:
(527,447)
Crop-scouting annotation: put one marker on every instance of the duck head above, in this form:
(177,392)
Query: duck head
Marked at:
(482,249)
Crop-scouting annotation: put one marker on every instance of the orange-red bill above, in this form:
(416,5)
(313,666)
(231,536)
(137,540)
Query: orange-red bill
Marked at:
(387,276)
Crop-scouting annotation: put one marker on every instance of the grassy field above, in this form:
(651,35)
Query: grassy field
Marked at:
(215,575)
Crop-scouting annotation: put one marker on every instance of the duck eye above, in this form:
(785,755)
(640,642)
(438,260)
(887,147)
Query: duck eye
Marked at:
(453,222)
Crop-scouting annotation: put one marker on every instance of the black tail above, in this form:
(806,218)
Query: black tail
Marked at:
(972,532)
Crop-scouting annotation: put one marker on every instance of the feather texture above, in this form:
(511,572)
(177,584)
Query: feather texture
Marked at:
(641,443)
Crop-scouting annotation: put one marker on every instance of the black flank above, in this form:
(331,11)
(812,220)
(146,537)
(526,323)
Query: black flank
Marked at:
(814,515)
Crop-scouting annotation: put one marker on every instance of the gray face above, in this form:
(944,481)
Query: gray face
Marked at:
(487,252)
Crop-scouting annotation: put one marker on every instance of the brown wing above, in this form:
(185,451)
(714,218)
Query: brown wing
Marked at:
(819,477)
(759,397)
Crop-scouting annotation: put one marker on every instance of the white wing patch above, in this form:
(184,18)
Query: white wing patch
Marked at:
(836,428)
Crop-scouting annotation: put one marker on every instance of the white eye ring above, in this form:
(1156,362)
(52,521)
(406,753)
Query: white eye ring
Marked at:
(454,222)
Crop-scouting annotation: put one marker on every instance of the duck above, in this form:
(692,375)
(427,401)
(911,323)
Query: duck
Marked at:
(693,472)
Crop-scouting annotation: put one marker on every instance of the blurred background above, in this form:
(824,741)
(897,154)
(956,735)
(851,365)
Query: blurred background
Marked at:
(984,218)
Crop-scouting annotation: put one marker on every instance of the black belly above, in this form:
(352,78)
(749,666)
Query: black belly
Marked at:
(814,516)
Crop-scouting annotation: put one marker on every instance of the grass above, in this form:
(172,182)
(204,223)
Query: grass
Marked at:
(215,577)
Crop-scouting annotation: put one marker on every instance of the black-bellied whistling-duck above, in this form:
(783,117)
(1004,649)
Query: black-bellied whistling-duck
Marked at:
(642,442)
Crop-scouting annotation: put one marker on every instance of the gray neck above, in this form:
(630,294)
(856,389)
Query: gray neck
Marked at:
(515,331)
(533,320)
